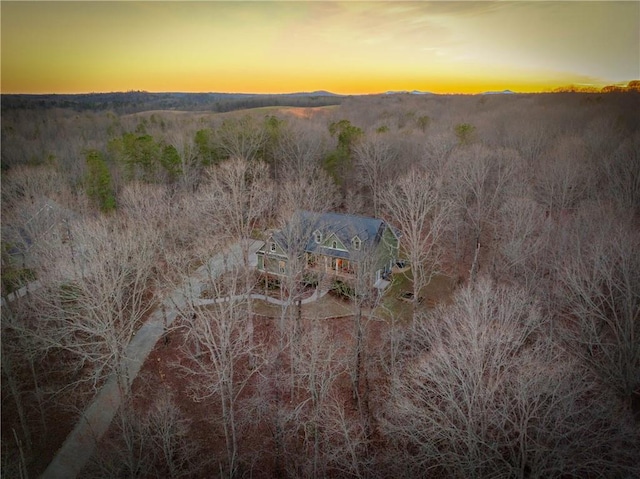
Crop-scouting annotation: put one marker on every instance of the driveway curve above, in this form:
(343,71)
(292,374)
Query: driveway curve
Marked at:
(79,446)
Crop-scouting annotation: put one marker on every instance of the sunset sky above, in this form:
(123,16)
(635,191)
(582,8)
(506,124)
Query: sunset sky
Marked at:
(343,47)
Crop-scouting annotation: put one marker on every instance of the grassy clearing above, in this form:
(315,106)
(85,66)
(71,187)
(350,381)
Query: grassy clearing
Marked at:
(439,290)
(297,111)
(391,304)
(172,114)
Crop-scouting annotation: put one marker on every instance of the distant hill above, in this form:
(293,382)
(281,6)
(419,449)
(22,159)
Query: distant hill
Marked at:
(315,93)
(406,92)
(503,92)
(138,101)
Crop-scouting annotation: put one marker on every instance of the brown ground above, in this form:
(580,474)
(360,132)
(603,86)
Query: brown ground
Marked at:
(49,420)
(159,375)
(300,112)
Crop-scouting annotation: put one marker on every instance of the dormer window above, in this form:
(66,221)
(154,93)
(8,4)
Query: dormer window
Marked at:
(356,243)
(272,247)
(317,236)
(334,244)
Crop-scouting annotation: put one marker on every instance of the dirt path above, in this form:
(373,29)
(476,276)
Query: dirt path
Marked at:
(79,446)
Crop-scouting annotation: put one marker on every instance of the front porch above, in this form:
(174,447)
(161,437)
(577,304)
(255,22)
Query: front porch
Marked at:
(330,266)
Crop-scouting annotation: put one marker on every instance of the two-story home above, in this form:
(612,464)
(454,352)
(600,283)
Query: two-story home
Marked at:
(330,244)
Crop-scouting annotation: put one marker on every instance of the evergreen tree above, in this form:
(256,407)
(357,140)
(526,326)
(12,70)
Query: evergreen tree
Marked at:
(98,181)
(338,163)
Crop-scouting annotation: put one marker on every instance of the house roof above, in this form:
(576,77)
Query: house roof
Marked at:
(304,224)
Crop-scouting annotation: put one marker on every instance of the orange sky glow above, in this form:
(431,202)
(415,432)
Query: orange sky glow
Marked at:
(343,47)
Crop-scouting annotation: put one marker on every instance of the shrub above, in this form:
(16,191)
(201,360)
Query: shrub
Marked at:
(342,289)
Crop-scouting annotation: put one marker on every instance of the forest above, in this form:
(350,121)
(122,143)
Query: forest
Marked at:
(136,101)
(507,345)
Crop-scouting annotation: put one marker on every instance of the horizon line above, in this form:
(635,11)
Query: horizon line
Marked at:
(575,87)
(568,88)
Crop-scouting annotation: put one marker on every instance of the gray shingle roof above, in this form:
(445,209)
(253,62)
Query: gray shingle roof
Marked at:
(304,223)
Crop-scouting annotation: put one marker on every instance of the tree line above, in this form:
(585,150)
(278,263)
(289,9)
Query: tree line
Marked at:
(137,101)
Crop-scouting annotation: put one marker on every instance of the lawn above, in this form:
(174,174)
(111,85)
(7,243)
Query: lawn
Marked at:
(439,290)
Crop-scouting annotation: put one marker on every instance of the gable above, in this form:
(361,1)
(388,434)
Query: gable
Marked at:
(272,247)
(356,243)
(334,240)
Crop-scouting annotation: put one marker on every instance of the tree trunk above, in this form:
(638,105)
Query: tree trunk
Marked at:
(358,358)
(474,265)
(15,392)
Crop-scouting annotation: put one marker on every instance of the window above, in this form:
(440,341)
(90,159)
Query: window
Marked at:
(281,266)
(318,236)
(272,246)
(356,243)
(334,244)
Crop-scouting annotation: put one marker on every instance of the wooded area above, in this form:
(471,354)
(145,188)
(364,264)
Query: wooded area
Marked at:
(517,355)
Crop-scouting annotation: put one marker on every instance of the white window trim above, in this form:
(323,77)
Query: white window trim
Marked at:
(272,247)
(317,236)
(356,243)
(336,240)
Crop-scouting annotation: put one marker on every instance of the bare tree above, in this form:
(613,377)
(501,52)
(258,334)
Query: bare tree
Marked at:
(15,346)
(478,179)
(414,204)
(601,300)
(221,356)
(364,296)
(564,175)
(310,189)
(149,443)
(522,230)
(145,203)
(34,208)
(318,370)
(348,440)
(241,138)
(237,198)
(528,137)
(191,167)
(437,148)
(28,184)
(621,169)
(94,293)
(300,147)
(374,156)
(485,394)
(294,238)
(302,183)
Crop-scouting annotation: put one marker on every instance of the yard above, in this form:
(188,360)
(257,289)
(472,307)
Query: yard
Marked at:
(326,307)
(397,300)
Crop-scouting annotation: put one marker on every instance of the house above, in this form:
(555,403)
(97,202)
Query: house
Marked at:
(330,244)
